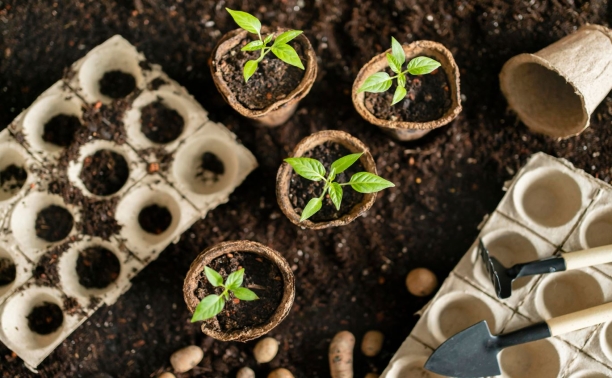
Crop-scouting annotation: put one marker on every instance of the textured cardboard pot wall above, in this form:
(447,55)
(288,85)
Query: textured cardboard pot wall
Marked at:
(555,90)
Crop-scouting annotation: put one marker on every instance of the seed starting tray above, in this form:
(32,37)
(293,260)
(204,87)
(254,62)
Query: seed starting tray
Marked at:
(168,175)
(550,208)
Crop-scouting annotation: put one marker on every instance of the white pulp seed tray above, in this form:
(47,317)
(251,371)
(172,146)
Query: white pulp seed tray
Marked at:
(550,208)
(174,184)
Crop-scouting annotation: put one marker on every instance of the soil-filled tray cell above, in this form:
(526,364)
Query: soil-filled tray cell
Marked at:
(599,346)
(152,214)
(40,221)
(510,243)
(549,196)
(105,169)
(409,361)
(15,268)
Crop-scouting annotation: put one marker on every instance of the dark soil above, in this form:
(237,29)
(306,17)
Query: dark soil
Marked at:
(46,318)
(105,172)
(97,267)
(211,168)
(302,190)
(12,178)
(350,277)
(53,223)
(261,275)
(273,81)
(117,84)
(8,272)
(160,123)
(60,130)
(155,219)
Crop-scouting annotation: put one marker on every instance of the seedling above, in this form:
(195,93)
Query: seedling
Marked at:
(312,169)
(381,81)
(213,304)
(280,47)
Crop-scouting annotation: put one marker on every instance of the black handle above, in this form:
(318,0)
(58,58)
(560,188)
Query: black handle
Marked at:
(551,265)
(534,332)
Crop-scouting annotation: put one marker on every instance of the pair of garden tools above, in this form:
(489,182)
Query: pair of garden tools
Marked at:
(473,351)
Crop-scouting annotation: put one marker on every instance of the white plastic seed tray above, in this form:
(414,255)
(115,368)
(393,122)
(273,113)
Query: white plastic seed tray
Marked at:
(550,208)
(46,272)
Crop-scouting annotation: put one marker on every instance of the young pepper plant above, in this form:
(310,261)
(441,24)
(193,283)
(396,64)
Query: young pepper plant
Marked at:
(312,169)
(381,81)
(280,47)
(213,304)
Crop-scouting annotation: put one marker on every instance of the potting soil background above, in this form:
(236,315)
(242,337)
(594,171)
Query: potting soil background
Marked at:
(347,278)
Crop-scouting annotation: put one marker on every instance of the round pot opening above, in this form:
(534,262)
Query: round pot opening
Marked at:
(596,229)
(155,219)
(13,176)
(536,359)
(8,270)
(45,318)
(411,367)
(53,223)
(605,340)
(97,267)
(547,197)
(161,122)
(567,292)
(104,172)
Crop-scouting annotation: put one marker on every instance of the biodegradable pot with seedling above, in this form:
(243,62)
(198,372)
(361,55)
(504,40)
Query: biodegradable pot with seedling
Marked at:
(257,85)
(409,102)
(309,186)
(241,290)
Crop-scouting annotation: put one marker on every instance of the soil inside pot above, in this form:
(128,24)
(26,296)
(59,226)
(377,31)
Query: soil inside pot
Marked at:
(211,168)
(160,123)
(97,267)
(428,97)
(46,318)
(60,130)
(117,84)
(12,178)
(273,81)
(155,219)
(260,275)
(53,223)
(105,172)
(302,190)
(8,271)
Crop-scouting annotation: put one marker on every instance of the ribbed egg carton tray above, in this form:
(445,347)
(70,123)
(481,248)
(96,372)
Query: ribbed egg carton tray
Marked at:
(49,287)
(550,208)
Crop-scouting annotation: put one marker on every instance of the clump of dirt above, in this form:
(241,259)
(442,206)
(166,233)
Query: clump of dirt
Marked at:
(12,178)
(160,123)
(117,84)
(211,168)
(53,223)
(8,271)
(155,219)
(157,83)
(105,172)
(46,318)
(97,267)
(260,275)
(60,130)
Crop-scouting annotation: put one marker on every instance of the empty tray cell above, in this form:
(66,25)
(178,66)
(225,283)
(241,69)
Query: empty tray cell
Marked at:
(40,221)
(589,366)
(105,169)
(15,269)
(409,361)
(152,214)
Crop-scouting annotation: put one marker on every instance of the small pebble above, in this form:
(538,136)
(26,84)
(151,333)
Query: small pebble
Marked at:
(421,282)
(245,372)
(166,375)
(186,358)
(372,343)
(280,373)
(265,350)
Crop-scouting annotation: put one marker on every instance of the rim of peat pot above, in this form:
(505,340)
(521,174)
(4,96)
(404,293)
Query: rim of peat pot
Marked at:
(283,178)
(280,111)
(411,130)
(208,255)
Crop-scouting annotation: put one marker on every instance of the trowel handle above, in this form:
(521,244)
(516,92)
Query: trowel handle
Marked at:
(580,319)
(588,257)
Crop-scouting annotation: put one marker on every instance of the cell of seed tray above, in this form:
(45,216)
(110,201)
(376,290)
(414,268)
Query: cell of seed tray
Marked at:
(550,209)
(94,186)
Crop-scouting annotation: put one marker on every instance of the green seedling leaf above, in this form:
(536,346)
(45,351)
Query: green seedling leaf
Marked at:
(246,21)
(422,65)
(335,193)
(311,208)
(332,174)
(378,82)
(308,168)
(235,279)
(213,277)
(394,64)
(399,95)
(397,51)
(249,69)
(208,308)
(287,54)
(268,39)
(366,182)
(345,162)
(287,36)
(253,46)
(244,294)
(401,80)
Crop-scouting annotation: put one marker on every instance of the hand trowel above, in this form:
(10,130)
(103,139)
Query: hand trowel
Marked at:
(473,351)
(502,277)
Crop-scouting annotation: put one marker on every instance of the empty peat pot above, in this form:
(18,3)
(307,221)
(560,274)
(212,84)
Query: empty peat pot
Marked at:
(430,103)
(262,98)
(555,90)
(266,273)
(293,192)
